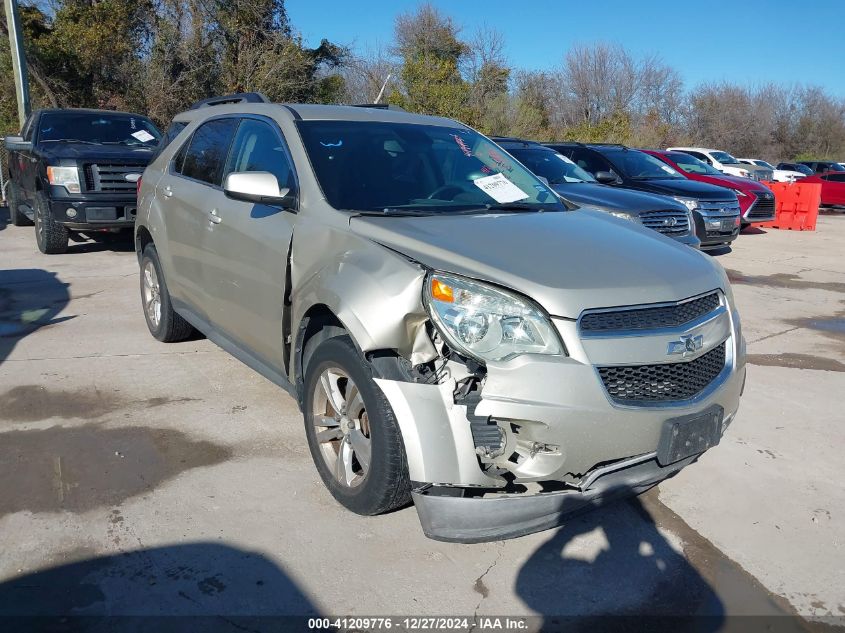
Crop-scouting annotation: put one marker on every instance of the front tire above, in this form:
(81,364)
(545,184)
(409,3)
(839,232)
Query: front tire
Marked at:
(50,236)
(352,431)
(13,200)
(162,320)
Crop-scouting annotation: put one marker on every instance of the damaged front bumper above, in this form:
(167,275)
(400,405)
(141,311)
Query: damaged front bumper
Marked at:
(446,515)
(562,434)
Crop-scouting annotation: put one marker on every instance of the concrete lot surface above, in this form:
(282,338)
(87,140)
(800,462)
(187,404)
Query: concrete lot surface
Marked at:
(140,478)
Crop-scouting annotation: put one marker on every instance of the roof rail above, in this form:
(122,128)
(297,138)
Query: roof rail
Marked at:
(379,106)
(573,143)
(240,97)
(610,145)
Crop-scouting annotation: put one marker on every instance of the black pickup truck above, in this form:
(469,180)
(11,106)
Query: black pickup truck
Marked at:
(77,170)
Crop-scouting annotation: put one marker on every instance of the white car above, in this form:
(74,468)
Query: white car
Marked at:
(779,175)
(722,161)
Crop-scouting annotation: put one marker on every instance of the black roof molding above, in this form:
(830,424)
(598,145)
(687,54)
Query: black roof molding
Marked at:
(240,97)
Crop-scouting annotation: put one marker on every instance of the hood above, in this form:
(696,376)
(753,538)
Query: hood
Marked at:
(732,182)
(567,262)
(592,194)
(686,189)
(94,153)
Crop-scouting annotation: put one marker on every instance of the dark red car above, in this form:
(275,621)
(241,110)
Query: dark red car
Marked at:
(833,187)
(756,200)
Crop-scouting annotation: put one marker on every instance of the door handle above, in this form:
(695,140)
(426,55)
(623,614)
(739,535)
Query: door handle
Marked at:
(213,217)
(168,191)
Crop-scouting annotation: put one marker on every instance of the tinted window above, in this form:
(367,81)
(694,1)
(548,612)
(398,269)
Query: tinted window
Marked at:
(691,165)
(641,166)
(207,151)
(590,161)
(259,147)
(167,139)
(373,166)
(104,128)
(702,157)
(725,158)
(835,177)
(552,166)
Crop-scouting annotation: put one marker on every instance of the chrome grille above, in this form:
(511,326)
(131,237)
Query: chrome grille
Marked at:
(718,208)
(650,318)
(762,209)
(111,177)
(672,223)
(665,382)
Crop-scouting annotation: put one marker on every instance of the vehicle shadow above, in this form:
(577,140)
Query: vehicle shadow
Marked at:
(30,299)
(753,230)
(636,574)
(202,586)
(95,242)
(717,252)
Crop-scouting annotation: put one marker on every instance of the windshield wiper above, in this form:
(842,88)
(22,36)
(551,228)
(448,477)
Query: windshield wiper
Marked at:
(519,207)
(68,140)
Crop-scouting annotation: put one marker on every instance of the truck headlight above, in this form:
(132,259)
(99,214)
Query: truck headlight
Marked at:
(689,203)
(67,177)
(487,323)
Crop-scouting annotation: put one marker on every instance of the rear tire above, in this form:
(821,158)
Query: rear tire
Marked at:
(13,200)
(50,236)
(358,450)
(162,320)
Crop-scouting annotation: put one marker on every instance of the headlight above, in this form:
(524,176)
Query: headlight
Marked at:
(631,217)
(486,323)
(739,194)
(67,177)
(689,203)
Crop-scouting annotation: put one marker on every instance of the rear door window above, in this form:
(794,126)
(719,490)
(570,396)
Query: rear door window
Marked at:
(207,151)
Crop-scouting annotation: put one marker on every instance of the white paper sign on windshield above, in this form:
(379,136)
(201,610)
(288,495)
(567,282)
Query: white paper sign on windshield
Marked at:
(500,188)
(143,136)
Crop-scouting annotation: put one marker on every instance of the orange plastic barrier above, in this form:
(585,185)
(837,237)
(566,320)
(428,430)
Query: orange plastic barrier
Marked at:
(796,205)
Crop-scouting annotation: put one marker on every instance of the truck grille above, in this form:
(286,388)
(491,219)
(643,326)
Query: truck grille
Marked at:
(665,382)
(650,318)
(762,209)
(110,177)
(672,223)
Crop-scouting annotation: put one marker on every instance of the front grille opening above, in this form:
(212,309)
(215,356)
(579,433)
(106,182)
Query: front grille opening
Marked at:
(667,222)
(650,318)
(762,209)
(666,382)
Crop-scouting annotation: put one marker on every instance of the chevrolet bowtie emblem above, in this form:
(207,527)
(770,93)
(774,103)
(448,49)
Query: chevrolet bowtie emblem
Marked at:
(686,346)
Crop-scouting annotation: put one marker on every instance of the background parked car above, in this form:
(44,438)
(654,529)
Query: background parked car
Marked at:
(715,209)
(661,213)
(724,162)
(77,170)
(756,201)
(778,175)
(821,166)
(833,187)
(796,167)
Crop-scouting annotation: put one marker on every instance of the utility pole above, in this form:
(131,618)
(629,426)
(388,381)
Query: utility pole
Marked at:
(18,59)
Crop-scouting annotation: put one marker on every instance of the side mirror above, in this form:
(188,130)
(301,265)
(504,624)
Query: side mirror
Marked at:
(605,177)
(260,187)
(16,143)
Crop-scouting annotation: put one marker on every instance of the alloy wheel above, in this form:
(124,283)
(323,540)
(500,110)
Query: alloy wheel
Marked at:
(342,427)
(152,294)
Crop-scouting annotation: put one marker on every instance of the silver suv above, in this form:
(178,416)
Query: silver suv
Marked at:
(451,331)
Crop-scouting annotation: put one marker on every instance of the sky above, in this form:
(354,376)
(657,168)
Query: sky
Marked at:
(750,42)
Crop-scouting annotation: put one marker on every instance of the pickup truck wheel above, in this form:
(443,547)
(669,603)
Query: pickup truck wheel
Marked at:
(12,199)
(352,431)
(162,320)
(50,236)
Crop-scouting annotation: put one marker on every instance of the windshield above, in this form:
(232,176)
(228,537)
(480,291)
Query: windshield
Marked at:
(99,128)
(378,166)
(835,167)
(641,166)
(725,158)
(762,163)
(691,165)
(554,167)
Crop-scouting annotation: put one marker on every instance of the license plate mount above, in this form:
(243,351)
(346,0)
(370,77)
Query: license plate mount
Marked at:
(690,435)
